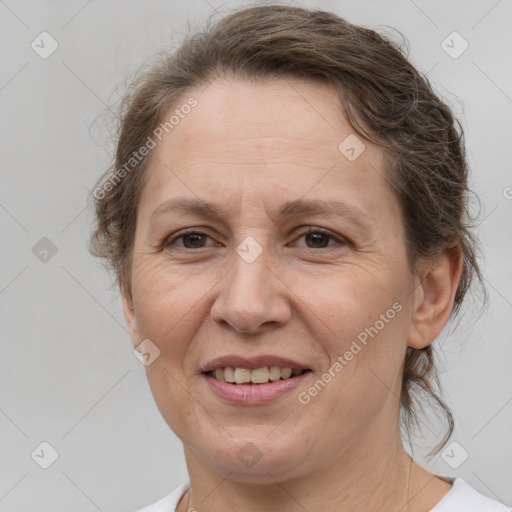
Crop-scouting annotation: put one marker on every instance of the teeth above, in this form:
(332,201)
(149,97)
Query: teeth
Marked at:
(229,374)
(260,375)
(275,373)
(286,373)
(257,376)
(242,375)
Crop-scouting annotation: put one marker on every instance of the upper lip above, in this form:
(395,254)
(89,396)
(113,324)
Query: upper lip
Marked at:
(251,363)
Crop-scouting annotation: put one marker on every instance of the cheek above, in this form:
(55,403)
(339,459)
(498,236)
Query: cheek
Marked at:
(168,387)
(164,302)
(352,302)
(167,307)
(366,321)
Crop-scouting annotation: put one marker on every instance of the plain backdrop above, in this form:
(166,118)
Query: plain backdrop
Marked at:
(68,376)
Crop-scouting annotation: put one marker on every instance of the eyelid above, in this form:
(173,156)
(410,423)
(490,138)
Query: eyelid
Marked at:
(299,232)
(173,237)
(340,240)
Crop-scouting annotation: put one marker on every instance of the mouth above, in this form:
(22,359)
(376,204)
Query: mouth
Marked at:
(260,380)
(239,376)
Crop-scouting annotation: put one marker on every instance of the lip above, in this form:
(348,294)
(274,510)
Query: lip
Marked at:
(251,363)
(253,394)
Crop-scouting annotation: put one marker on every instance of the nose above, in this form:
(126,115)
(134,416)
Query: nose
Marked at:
(252,298)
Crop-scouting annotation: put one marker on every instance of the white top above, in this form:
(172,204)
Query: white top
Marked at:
(460,498)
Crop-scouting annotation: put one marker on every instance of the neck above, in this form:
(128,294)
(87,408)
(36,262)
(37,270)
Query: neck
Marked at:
(373,476)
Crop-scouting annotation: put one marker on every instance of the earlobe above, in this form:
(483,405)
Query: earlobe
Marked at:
(129,314)
(434,298)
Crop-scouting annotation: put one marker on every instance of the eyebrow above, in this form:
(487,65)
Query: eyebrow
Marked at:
(289,209)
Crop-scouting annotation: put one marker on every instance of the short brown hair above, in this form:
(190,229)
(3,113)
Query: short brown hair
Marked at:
(383,97)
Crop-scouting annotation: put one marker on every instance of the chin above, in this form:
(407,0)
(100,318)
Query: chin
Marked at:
(256,457)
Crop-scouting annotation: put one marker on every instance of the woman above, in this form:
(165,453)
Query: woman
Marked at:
(286,217)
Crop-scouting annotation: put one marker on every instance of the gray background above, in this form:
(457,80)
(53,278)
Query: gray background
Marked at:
(68,375)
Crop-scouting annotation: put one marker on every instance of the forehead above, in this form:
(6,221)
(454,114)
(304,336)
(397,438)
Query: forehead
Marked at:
(272,137)
(266,115)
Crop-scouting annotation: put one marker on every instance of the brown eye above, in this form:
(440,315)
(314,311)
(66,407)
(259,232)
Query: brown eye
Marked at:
(195,240)
(319,239)
(191,240)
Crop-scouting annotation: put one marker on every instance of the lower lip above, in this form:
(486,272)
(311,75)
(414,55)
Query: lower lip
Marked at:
(254,394)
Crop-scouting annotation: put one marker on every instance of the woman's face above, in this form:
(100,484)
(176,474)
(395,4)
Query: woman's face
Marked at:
(251,284)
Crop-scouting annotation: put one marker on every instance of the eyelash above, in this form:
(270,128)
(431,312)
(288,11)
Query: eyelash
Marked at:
(173,238)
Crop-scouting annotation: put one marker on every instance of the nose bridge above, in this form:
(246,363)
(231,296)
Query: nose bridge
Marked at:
(250,295)
(250,276)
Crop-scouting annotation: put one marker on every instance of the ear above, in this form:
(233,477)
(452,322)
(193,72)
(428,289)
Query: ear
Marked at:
(434,297)
(131,319)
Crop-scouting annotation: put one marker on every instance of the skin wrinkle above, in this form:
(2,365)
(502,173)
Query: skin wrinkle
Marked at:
(308,304)
(428,171)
